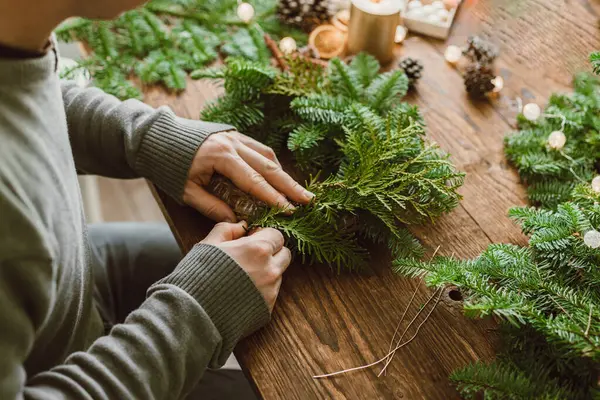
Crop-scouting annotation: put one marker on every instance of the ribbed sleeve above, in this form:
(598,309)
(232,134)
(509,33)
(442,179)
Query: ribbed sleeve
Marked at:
(168,148)
(224,290)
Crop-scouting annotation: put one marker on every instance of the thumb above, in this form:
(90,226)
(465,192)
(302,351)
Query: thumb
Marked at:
(225,232)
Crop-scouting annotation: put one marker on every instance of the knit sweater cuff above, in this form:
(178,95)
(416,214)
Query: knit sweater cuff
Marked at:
(168,148)
(225,292)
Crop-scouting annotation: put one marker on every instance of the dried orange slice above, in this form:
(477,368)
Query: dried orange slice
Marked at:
(328,41)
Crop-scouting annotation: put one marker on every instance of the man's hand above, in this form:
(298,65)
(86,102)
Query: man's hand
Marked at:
(252,166)
(261,254)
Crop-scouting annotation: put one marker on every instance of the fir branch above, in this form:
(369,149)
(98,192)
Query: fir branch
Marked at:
(366,67)
(164,40)
(552,172)
(316,239)
(248,43)
(386,89)
(501,380)
(164,66)
(72,29)
(344,80)
(306,137)
(231,111)
(595,60)
(320,108)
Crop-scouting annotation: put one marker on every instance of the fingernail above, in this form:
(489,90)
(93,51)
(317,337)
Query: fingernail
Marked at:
(308,195)
(289,208)
(228,220)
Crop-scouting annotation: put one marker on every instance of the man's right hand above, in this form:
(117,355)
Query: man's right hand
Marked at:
(261,254)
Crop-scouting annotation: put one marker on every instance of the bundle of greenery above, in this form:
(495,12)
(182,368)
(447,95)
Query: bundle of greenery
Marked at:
(162,41)
(361,149)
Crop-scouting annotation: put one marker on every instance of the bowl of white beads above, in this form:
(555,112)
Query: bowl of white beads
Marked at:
(430,17)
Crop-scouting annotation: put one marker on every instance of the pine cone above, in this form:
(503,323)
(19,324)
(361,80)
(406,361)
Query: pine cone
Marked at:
(305,14)
(412,68)
(478,80)
(480,50)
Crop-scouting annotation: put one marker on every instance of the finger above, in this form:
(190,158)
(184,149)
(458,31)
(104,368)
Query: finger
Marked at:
(209,205)
(256,146)
(276,289)
(251,182)
(275,175)
(225,232)
(272,236)
(282,259)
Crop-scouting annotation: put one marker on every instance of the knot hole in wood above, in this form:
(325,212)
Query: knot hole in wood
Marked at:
(454,293)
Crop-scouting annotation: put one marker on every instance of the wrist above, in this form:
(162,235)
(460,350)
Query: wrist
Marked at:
(223,289)
(168,148)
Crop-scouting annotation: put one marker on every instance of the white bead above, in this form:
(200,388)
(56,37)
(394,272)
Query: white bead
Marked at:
(438,5)
(287,45)
(245,12)
(453,54)
(532,111)
(428,9)
(596,184)
(557,140)
(414,4)
(592,239)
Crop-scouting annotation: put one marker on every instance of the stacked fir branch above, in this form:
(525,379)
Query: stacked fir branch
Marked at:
(548,296)
(552,174)
(370,167)
(164,40)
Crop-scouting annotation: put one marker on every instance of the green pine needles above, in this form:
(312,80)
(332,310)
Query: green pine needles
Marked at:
(551,174)
(595,60)
(363,151)
(164,40)
(547,294)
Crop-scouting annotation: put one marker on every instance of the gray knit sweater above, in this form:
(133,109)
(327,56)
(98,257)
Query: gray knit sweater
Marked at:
(51,343)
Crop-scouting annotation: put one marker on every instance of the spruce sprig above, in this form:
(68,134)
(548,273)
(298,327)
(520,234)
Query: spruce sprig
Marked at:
(547,294)
(595,60)
(552,174)
(550,290)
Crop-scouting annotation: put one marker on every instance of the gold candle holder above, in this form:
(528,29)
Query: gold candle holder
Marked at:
(373,26)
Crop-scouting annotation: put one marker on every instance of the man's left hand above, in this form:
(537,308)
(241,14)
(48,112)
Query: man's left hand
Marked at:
(250,165)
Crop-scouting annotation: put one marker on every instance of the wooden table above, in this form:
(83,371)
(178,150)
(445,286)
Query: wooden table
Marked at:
(325,322)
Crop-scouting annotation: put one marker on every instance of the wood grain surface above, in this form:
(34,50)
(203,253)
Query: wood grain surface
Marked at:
(325,322)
